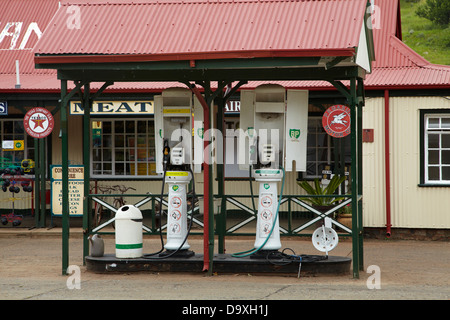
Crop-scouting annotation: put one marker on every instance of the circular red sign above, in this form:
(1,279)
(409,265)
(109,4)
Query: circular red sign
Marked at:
(38,122)
(336,121)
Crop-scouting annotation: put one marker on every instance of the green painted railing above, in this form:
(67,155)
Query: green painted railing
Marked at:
(234,216)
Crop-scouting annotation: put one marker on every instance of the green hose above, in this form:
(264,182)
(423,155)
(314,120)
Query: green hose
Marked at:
(254,250)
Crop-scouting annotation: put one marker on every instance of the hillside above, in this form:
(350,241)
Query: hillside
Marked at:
(423,36)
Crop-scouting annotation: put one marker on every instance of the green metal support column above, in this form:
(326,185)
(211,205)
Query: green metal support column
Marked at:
(355,177)
(42,189)
(65,178)
(360,94)
(37,191)
(221,221)
(86,162)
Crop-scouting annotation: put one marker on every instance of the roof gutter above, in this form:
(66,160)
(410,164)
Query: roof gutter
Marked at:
(242,54)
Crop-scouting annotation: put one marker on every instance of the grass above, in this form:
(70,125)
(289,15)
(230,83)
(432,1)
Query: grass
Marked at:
(423,36)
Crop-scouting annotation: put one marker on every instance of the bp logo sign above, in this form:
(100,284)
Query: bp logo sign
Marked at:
(175,187)
(200,132)
(294,134)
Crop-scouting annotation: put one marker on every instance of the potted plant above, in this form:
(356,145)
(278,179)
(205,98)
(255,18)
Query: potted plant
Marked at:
(322,204)
(345,216)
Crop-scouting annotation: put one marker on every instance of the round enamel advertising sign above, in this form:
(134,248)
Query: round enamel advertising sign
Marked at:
(336,121)
(38,122)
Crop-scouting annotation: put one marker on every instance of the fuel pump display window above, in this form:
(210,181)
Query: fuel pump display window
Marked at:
(123,148)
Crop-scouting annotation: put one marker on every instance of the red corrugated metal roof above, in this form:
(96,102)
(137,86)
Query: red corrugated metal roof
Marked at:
(22,22)
(204,26)
(396,65)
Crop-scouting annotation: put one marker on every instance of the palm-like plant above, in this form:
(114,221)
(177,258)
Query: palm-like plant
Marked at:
(318,190)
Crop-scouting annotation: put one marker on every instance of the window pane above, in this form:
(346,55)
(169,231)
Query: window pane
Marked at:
(119,141)
(107,155)
(130,126)
(311,141)
(446,173)
(433,123)
(142,127)
(97,168)
(119,156)
(433,141)
(96,155)
(445,140)
(433,157)
(7,127)
(322,140)
(445,157)
(119,169)
(107,141)
(18,127)
(130,141)
(433,173)
(119,127)
(107,127)
(445,123)
(107,168)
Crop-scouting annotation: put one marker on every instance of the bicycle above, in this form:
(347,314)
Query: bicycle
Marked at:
(118,202)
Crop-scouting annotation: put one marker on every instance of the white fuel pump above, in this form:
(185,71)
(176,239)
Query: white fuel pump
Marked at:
(174,159)
(274,129)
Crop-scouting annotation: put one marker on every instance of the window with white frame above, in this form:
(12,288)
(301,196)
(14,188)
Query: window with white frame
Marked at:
(437,148)
(123,148)
(10,130)
(321,148)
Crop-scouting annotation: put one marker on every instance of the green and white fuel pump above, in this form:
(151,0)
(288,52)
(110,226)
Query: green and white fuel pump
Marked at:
(274,123)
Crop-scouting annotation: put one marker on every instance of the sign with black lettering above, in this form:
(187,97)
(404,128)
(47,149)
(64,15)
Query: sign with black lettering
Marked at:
(76,190)
(114,108)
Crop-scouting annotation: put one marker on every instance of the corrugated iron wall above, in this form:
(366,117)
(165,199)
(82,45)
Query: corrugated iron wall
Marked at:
(373,165)
(413,206)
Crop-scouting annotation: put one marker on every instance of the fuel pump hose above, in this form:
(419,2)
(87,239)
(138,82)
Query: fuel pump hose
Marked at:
(254,250)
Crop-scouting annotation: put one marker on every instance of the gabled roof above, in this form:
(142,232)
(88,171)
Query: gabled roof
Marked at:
(205,29)
(396,65)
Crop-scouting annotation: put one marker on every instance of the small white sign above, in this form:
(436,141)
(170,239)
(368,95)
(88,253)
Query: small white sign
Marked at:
(8,144)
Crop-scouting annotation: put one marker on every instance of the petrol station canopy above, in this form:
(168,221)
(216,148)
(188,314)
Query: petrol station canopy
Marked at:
(194,40)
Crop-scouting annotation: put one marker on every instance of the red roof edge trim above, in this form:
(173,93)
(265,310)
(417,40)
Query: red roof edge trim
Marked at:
(57,59)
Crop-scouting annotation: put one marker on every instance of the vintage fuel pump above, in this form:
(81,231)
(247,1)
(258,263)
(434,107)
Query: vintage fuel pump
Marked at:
(274,124)
(174,159)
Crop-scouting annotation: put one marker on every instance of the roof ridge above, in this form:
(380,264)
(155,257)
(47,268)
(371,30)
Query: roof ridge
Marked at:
(407,52)
(137,2)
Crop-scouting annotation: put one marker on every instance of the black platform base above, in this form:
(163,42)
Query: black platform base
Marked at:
(223,263)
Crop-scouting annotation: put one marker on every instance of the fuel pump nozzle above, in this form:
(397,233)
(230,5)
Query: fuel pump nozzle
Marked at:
(166,153)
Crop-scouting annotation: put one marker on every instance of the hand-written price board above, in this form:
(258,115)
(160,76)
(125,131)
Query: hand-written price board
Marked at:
(76,190)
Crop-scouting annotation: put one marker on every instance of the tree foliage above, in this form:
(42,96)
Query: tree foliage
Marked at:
(437,11)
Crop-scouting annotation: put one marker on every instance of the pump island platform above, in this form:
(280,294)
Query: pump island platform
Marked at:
(307,265)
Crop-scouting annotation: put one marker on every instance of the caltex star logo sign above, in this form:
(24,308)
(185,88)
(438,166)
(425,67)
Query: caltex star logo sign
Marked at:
(38,122)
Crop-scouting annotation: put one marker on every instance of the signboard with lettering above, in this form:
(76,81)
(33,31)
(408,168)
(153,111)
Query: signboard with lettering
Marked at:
(232,106)
(76,190)
(38,122)
(114,107)
(3,108)
(336,121)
